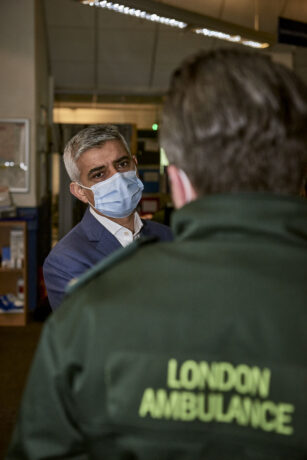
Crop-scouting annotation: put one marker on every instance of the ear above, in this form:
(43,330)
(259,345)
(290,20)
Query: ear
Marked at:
(135,160)
(182,190)
(78,192)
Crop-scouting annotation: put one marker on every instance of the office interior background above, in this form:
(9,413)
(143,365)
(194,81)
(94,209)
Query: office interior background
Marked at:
(67,64)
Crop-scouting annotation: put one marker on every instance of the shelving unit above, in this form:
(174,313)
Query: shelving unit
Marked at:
(9,276)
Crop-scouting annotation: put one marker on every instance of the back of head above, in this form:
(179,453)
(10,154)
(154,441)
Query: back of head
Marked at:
(236,121)
(86,139)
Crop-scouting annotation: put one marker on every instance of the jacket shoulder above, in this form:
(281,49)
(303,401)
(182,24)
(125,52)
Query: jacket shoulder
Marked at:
(110,261)
(65,246)
(161,231)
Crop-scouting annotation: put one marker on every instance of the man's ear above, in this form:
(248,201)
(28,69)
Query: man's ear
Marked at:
(78,192)
(182,190)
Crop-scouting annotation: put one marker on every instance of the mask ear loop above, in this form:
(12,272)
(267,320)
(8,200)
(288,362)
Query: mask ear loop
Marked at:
(187,185)
(88,188)
(83,186)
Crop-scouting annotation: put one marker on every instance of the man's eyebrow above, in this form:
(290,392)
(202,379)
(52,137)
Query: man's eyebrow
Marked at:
(98,168)
(124,157)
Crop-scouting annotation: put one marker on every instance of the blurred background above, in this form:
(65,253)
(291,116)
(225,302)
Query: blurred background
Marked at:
(66,64)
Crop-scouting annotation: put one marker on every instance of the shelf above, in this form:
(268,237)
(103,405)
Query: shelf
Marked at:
(11,270)
(13,319)
(9,276)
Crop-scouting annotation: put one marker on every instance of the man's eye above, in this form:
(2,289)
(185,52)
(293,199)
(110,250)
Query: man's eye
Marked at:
(124,164)
(98,175)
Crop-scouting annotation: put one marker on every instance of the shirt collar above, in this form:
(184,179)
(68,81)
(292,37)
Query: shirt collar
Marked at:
(138,224)
(114,227)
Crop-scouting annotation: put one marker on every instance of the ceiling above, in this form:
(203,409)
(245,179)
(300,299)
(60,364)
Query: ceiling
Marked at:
(100,55)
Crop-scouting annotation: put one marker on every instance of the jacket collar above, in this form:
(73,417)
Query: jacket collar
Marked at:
(146,229)
(96,232)
(255,213)
(106,242)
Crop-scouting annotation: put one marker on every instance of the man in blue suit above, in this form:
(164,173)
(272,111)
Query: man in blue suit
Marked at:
(103,174)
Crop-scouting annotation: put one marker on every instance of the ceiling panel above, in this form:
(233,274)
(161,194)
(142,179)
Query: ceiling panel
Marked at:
(74,44)
(209,7)
(242,12)
(296,9)
(110,20)
(114,78)
(92,49)
(239,12)
(175,44)
(268,16)
(125,58)
(73,76)
(68,13)
(132,45)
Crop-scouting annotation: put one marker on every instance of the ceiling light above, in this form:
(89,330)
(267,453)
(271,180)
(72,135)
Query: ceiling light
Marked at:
(254,44)
(118,8)
(231,38)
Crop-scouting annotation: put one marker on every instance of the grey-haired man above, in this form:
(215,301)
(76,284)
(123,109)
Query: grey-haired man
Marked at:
(103,174)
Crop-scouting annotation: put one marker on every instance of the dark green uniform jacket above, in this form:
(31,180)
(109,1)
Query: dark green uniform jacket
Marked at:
(194,349)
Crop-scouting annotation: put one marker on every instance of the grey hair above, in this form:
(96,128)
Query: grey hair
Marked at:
(86,139)
(236,121)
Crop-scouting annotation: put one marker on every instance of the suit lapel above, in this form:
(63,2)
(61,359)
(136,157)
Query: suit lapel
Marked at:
(106,243)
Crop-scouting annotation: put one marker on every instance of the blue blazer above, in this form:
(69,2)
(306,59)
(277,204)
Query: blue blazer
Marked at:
(85,245)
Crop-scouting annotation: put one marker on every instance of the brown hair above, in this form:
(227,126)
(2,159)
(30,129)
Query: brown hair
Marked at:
(235,121)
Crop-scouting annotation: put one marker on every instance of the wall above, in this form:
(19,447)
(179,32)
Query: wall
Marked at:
(43,101)
(142,115)
(22,68)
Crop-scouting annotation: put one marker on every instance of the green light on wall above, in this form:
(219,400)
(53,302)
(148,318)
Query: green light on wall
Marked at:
(155,127)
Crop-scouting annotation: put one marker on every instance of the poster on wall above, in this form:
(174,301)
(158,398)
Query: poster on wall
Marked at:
(14,154)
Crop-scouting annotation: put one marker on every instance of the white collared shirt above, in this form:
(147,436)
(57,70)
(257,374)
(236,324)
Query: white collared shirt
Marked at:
(122,234)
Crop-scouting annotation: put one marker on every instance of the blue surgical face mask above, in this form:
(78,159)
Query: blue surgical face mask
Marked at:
(117,196)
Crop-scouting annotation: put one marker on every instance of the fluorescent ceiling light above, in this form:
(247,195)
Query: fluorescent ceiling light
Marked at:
(240,38)
(118,8)
(231,38)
